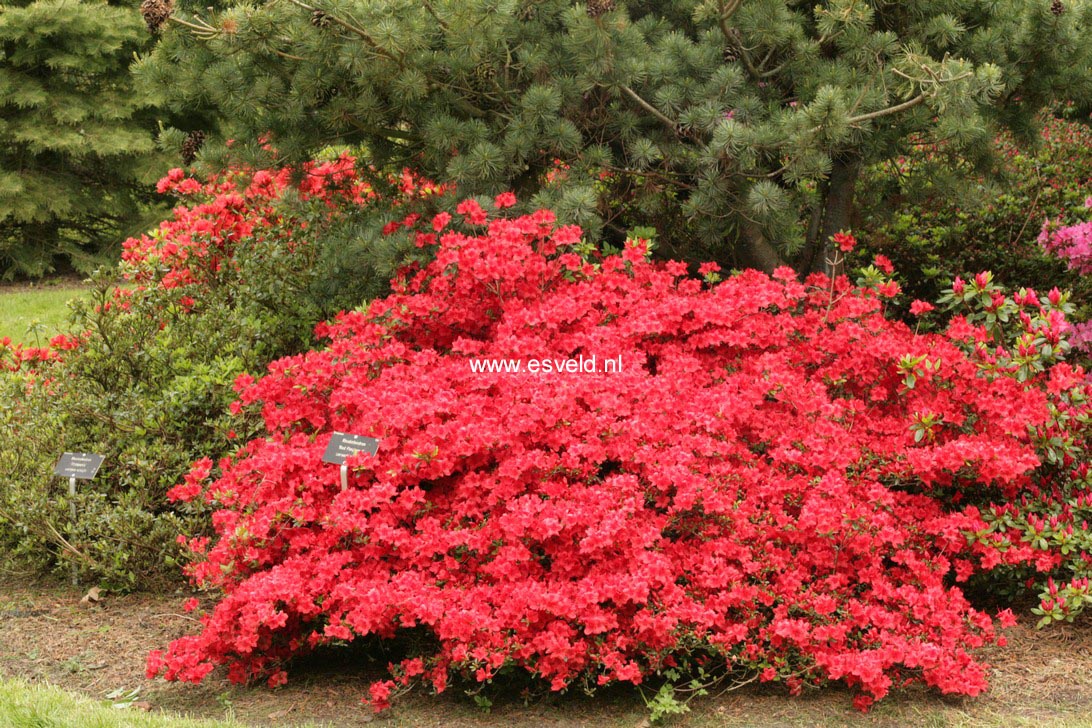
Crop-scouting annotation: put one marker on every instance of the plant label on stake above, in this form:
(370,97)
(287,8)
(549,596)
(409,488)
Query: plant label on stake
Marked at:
(76,466)
(343,445)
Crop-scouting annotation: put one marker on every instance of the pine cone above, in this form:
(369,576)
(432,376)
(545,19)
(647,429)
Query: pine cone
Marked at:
(326,94)
(155,13)
(528,11)
(735,42)
(1057,8)
(484,73)
(320,19)
(194,141)
(598,7)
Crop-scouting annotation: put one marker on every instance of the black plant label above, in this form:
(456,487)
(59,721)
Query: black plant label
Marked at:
(80,465)
(343,445)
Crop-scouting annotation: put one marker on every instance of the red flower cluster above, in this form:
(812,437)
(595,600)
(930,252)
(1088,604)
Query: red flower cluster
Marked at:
(15,356)
(240,206)
(845,241)
(767,485)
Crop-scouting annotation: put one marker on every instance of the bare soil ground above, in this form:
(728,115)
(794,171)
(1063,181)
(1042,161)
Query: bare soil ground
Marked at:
(46,635)
(66,281)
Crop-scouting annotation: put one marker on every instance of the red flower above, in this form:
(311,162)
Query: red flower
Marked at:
(844,241)
(472,212)
(889,289)
(635,251)
(918,308)
(440,221)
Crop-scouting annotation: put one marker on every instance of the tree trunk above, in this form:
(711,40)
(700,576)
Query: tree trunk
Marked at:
(813,249)
(759,253)
(837,209)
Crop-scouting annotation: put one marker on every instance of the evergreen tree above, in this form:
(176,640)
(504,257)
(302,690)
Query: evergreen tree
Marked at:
(738,128)
(76,140)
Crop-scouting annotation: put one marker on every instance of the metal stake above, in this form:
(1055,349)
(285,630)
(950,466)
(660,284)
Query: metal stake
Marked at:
(344,477)
(72,514)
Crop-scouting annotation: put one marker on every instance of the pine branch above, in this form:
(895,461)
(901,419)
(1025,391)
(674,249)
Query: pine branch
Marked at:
(775,70)
(674,181)
(888,111)
(727,10)
(363,34)
(432,11)
(289,56)
(203,31)
(379,131)
(469,108)
(651,109)
(879,113)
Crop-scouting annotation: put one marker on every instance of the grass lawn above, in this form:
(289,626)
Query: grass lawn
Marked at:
(23,705)
(34,314)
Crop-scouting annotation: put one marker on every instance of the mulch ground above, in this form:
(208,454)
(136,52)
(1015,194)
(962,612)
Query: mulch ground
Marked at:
(47,635)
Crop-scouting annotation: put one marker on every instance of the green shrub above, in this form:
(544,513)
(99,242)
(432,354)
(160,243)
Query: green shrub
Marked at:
(935,226)
(237,278)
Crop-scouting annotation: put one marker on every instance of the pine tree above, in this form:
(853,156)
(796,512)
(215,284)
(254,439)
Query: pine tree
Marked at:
(738,128)
(76,140)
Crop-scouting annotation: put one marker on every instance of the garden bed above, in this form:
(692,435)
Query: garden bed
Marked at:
(48,636)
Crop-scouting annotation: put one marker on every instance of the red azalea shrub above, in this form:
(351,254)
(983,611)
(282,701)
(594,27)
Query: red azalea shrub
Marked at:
(780,479)
(274,245)
(1051,515)
(226,210)
(198,245)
